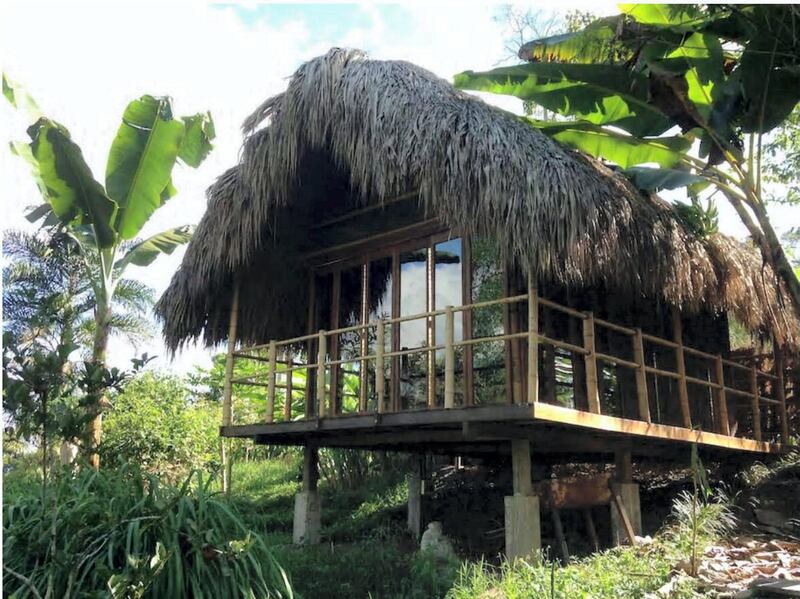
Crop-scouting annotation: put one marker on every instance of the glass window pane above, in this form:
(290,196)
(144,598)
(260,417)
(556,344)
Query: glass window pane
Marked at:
(349,344)
(489,372)
(380,306)
(449,292)
(413,333)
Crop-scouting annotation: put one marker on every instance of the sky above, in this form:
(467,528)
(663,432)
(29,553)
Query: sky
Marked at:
(83,62)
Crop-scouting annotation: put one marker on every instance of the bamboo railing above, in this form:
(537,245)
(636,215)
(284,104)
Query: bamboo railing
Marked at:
(279,371)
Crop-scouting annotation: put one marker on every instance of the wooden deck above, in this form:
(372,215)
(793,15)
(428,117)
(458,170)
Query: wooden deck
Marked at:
(554,431)
(742,406)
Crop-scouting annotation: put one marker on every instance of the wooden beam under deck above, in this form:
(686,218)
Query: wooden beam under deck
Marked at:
(551,429)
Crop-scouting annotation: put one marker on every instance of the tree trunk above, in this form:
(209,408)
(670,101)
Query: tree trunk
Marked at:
(102,323)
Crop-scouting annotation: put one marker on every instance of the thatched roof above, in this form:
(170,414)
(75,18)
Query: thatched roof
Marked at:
(352,129)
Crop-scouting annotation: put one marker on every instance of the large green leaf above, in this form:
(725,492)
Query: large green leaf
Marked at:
(196,143)
(656,179)
(591,44)
(65,180)
(141,159)
(619,148)
(680,17)
(144,252)
(599,94)
(21,99)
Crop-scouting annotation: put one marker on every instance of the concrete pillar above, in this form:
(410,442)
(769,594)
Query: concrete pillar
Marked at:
(307,503)
(414,521)
(522,524)
(629,494)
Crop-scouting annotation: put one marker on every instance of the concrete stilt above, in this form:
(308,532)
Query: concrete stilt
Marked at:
(414,521)
(522,519)
(629,493)
(307,504)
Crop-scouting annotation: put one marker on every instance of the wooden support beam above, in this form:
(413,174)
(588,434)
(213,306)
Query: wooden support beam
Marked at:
(521,467)
(623,515)
(590,359)
(287,402)
(310,468)
(227,394)
(723,422)
(533,341)
(273,375)
(380,339)
(623,465)
(641,376)
(590,528)
(683,392)
(321,357)
(559,530)
(756,402)
(449,359)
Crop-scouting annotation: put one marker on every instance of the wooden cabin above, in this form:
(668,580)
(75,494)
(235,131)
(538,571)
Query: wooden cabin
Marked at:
(407,268)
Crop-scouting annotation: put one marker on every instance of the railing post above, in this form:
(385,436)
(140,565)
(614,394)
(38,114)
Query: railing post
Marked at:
(780,390)
(449,358)
(680,367)
(227,394)
(321,354)
(287,404)
(533,342)
(723,426)
(641,376)
(756,402)
(273,375)
(592,388)
(379,367)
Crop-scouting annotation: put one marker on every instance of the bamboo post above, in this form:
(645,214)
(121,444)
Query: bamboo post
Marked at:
(641,376)
(592,389)
(780,391)
(227,394)
(449,358)
(756,402)
(321,352)
(287,404)
(723,426)
(533,343)
(273,375)
(680,366)
(379,367)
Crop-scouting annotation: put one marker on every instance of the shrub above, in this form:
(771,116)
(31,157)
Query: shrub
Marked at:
(125,534)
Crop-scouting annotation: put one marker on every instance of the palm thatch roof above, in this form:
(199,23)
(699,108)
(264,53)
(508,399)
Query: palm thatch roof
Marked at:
(351,129)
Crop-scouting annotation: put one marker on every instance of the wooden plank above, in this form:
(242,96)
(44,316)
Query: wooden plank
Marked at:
(273,375)
(227,393)
(623,515)
(310,468)
(558,528)
(755,404)
(723,422)
(641,376)
(683,392)
(533,342)
(623,466)
(574,492)
(521,467)
(590,360)
(613,424)
(449,359)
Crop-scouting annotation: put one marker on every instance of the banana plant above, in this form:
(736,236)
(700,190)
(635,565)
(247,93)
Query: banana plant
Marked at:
(675,95)
(105,219)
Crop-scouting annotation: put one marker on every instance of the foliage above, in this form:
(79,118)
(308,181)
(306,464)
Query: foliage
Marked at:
(104,219)
(373,568)
(125,533)
(723,75)
(156,422)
